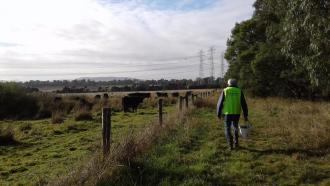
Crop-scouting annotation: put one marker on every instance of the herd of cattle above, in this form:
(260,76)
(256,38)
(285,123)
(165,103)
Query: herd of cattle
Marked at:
(131,102)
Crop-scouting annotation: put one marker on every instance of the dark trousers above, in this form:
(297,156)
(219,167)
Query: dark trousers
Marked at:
(229,136)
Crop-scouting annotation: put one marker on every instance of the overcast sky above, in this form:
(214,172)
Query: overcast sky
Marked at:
(147,39)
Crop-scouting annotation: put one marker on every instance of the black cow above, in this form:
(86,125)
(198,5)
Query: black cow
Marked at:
(57,99)
(175,94)
(161,94)
(76,98)
(97,97)
(142,95)
(105,96)
(188,93)
(83,103)
(131,103)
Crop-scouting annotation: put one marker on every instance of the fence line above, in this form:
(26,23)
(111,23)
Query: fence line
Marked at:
(106,117)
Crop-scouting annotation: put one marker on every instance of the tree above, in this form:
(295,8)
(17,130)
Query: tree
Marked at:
(283,49)
(307,38)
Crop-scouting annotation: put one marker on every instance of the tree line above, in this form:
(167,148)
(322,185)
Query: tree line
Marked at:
(67,86)
(283,50)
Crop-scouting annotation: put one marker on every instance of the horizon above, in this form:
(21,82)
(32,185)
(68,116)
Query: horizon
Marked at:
(93,79)
(142,39)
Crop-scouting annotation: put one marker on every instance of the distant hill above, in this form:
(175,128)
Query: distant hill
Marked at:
(105,78)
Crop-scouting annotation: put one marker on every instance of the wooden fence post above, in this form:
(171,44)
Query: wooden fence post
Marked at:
(180,103)
(160,111)
(187,100)
(106,129)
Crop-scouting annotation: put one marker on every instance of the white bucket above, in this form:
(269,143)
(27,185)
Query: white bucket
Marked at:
(245,130)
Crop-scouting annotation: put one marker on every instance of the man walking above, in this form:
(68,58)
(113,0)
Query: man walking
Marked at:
(229,105)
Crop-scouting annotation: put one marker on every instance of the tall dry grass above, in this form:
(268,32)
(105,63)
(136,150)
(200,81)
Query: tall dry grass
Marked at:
(297,124)
(208,102)
(116,103)
(99,169)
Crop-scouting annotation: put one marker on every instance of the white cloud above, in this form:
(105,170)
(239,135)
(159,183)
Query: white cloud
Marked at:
(47,39)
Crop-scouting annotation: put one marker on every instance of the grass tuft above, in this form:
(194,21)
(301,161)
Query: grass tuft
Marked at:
(83,115)
(57,117)
(7,136)
(25,127)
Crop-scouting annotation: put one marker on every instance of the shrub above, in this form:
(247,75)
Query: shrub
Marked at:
(16,103)
(7,136)
(48,105)
(43,113)
(83,115)
(45,105)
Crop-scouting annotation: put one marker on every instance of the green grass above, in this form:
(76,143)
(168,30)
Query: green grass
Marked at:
(44,151)
(196,154)
(192,152)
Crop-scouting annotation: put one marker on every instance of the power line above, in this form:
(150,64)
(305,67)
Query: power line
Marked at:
(118,72)
(166,64)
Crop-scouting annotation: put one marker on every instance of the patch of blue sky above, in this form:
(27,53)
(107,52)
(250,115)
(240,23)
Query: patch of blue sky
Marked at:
(181,5)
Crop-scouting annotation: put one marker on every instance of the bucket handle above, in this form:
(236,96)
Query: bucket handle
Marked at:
(248,124)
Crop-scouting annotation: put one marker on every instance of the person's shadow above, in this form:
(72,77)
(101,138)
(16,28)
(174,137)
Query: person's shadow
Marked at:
(290,151)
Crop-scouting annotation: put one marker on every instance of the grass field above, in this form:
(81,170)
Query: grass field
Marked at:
(44,150)
(289,145)
(196,152)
